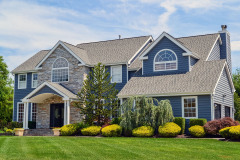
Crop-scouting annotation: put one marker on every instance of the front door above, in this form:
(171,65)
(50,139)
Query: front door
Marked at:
(56,115)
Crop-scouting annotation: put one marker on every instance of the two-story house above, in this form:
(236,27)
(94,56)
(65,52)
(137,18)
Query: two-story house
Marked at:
(194,73)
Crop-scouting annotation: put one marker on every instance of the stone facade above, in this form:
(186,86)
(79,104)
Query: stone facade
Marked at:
(77,74)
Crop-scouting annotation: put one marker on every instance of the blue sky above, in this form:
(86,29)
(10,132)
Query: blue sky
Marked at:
(27,27)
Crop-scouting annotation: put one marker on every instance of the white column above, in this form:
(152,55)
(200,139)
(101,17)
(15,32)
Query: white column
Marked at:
(68,112)
(65,113)
(25,118)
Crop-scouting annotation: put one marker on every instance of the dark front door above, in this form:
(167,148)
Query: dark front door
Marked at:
(217,111)
(56,115)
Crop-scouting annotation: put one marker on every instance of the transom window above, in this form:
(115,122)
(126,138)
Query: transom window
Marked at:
(22,81)
(189,105)
(34,112)
(60,70)
(34,80)
(165,60)
(20,112)
(116,74)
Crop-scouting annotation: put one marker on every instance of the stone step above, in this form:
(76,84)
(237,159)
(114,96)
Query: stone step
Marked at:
(38,132)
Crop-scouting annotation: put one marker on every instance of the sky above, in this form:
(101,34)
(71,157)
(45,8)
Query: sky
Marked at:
(28,26)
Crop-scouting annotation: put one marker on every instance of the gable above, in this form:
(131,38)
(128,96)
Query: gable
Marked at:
(215,52)
(45,89)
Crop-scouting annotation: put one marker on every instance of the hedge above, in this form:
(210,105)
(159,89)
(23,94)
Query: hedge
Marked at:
(181,122)
(199,122)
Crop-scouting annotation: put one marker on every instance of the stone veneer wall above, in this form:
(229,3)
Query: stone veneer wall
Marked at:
(77,74)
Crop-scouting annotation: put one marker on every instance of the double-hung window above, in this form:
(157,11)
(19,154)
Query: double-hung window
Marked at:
(22,81)
(20,112)
(189,107)
(34,80)
(116,74)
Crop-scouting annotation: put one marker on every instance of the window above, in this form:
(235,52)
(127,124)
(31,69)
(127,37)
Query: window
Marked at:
(227,111)
(116,74)
(165,60)
(217,111)
(20,112)
(22,81)
(60,70)
(34,80)
(34,112)
(189,106)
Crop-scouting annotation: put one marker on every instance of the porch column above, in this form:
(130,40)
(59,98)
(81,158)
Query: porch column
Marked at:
(25,118)
(66,112)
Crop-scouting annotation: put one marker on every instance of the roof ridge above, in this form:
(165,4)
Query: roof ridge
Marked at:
(114,39)
(72,45)
(198,35)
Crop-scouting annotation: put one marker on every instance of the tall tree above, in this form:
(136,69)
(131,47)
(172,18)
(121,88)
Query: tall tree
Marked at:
(6,92)
(236,81)
(97,98)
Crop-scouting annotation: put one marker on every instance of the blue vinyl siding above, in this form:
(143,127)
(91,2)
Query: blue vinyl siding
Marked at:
(193,61)
(21,93)
(224,88)
(226,49)
(131,74)
(215,54)
(165,43)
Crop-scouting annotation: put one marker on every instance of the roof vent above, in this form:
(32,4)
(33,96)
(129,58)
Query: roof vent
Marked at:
(119,36)
(224,27)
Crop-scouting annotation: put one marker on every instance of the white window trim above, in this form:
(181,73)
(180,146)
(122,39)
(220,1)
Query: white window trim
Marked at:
(60,68)
(196,99)
(18,110)
(112,73)
(34,80)
(165,61)
(19,81)
(32,110)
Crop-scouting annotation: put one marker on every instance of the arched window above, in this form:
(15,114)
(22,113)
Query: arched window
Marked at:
(165,60)
(60,70)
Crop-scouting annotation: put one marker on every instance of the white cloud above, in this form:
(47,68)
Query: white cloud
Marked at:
(235,45)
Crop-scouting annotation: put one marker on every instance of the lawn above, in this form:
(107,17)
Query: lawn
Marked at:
(115,148)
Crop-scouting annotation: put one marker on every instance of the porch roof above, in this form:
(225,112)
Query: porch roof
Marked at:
(47,90)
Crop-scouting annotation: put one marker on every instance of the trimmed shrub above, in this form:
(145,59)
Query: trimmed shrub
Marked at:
(116,120)
(72,129)
(112,131)
(9,131)
(91,131)
(225,132)
(169,129)
(199,122)
(197,131)
(181,122)
(234,132)
(213,127)
(31,125)
(143,131)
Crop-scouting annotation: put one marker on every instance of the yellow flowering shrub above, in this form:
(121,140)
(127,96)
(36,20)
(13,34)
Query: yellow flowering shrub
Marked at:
(72,129)
(9,131)
(112,131)
(225,132)
(169,129)
(197,131)
(91,131)
(234,132)
(143,131)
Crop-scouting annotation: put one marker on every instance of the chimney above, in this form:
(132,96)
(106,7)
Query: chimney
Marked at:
(119,36)
(224,27)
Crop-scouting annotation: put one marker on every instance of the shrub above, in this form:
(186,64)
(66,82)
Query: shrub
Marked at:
(112,131)
(199,122)
(234,132)
(31,125)
(169,129)
(143,131)
(91,131)
(116,120)
(197,131)
(213,127)
(72,129)
(225,132)
(181,122)
(9,131)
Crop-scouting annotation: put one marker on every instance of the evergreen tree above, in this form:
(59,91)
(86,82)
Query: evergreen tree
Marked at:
(97,98)
(236,81)
(6,93)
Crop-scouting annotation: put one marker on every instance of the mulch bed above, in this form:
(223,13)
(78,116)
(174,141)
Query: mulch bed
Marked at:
(6,134)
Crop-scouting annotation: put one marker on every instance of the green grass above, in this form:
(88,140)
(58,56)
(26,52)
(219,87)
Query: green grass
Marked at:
(115,148)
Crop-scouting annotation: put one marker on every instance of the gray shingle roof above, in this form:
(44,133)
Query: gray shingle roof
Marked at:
(29,65)
(201,79)
(113,51)
(201,44)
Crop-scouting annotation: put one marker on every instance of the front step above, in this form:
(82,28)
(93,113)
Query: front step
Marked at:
(38,132)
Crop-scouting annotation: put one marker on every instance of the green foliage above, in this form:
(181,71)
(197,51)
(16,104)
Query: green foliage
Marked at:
(91,131)
(197,131)
(143,131)
(72,129)
(199,122)
(234,132)
(236,82)
(225,132)
(10,125)
(112,131)
(147,112)
(97,98)
(181,122)
(169,129)
(6,93)
(31,125)
(116,120)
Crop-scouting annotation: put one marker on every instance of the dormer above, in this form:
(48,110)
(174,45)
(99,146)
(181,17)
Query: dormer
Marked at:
(167,55)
